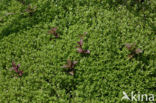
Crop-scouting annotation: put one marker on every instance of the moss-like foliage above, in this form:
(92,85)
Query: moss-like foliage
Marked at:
(102,75)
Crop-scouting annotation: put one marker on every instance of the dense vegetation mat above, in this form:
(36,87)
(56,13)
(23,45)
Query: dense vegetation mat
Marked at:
(100,75)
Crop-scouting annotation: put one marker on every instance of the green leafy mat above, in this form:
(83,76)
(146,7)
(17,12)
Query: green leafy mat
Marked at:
(101,76)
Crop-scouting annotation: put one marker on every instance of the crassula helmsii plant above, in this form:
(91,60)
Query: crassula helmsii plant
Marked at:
(100,77)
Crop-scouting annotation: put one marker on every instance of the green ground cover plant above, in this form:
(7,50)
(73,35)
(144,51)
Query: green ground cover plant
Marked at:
(90,39)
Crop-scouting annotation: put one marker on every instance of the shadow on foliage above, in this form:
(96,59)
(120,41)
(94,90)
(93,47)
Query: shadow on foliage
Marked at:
(25,20)
(137,7)
(145,59)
